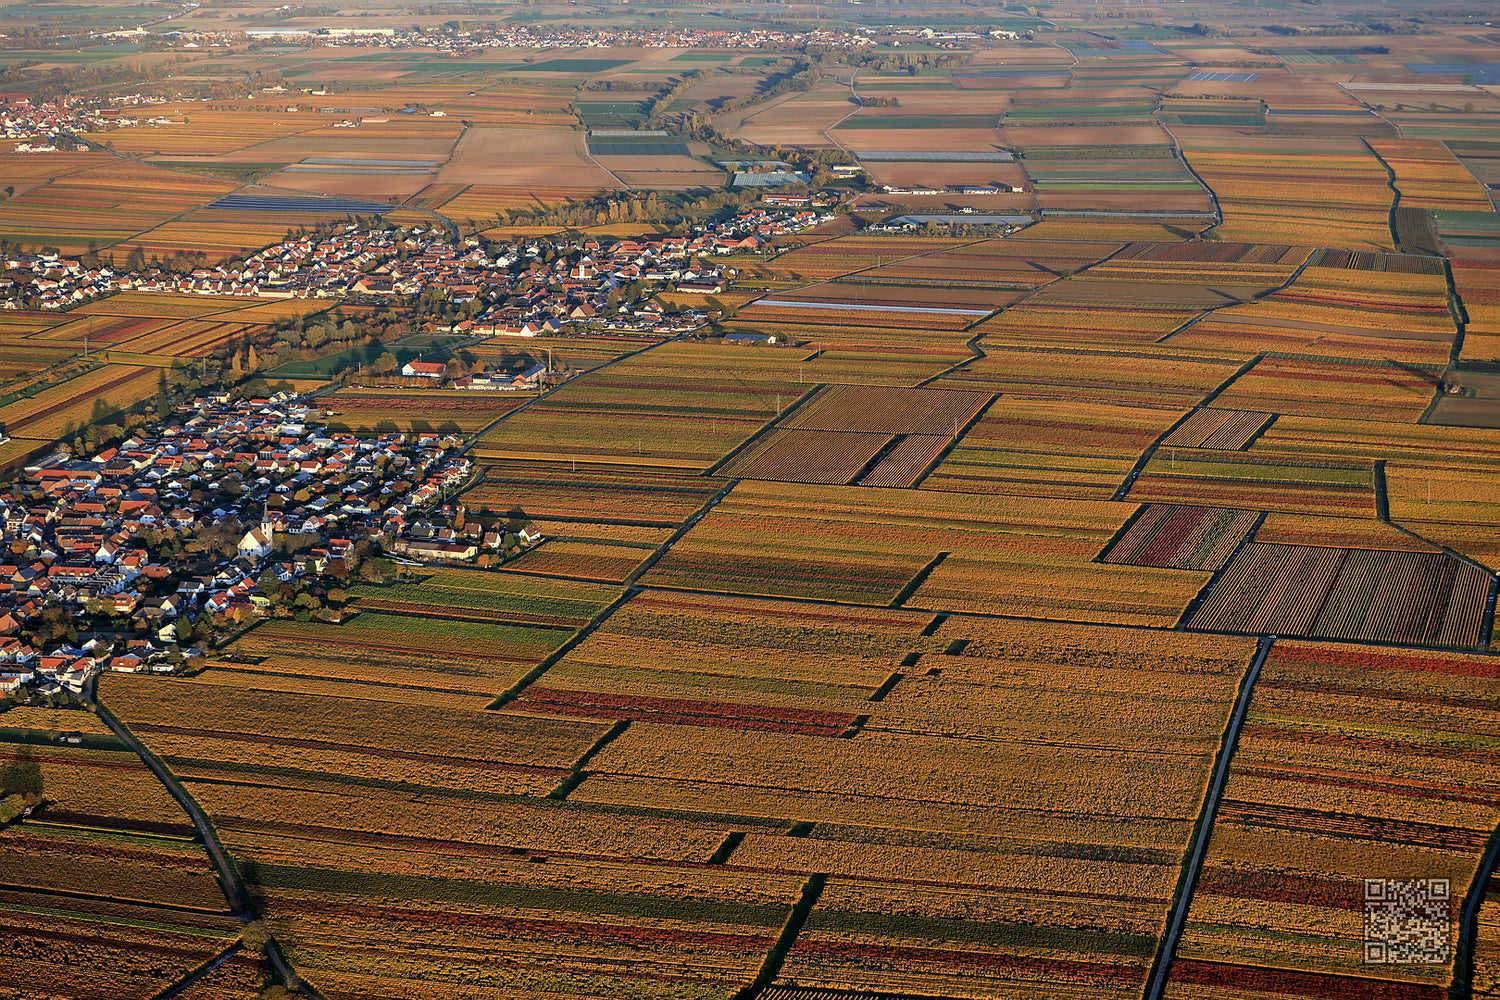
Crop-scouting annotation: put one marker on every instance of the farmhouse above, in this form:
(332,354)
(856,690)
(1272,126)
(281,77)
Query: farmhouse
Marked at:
(424,369)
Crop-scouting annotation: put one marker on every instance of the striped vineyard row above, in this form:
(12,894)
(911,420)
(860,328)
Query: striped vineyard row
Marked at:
(683,712)
(1361,594)
(1174,537)
(809,456)
(1220,430)
(903,465)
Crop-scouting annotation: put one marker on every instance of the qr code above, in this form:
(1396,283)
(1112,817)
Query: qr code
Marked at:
(1408,922)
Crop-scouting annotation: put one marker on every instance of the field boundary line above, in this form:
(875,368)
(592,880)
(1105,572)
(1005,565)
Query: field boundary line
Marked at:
(583,139)
(1213,196)
(1119,533)
(1460,314)
(1124,489)
(938,459)
(1390,182)
(100,897)
(192,978)
(687,525)
(775,958)
(530,677)
(579,771)
(1212,310)
(858,106)
(1382,513)
(236,895)
(915,583)
(1382,499)
(771,425)
(1461,987)
(1202,830)
(1198,599)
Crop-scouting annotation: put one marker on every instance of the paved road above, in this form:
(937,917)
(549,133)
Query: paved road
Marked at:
(234,888)
(1168,946)
(190,980)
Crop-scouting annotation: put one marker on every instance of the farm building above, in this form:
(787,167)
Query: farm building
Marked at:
(424,369)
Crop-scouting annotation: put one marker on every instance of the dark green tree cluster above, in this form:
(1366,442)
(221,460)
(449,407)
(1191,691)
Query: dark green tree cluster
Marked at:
(21,785)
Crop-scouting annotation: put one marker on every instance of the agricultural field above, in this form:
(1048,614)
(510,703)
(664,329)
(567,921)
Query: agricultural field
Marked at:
(1374,595)
(1044,447)
(1375,390)
(631,418)
(1326,487)
(444,411)
(67,407)
(463,640)
(957,547)
(1140,175)
(591,492)
(973,883)
(1429,176)
(1338,192)
(109,863)
(846,255)
(1478,284)
(1145,375)
(1346,765)
(103,204)
(1086,606)
(872,436)
(1339,301)
(1020,262)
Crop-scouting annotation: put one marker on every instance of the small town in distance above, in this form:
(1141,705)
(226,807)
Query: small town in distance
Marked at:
(776,501)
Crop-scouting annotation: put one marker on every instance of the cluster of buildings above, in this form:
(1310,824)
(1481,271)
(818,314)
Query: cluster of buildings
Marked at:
(184,522)
(40,123)
(525,289)
(441,542)
(466,40)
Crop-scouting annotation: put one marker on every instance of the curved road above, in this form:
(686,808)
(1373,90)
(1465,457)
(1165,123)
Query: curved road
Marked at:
(234,888)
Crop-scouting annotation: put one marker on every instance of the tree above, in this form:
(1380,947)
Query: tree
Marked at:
(385,364)
(23,777)
(377,570)
(256,936)
(269,580)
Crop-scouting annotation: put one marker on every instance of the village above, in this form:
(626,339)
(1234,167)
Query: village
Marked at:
(459,39)
(522,289)
(225,514)
(21,118)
